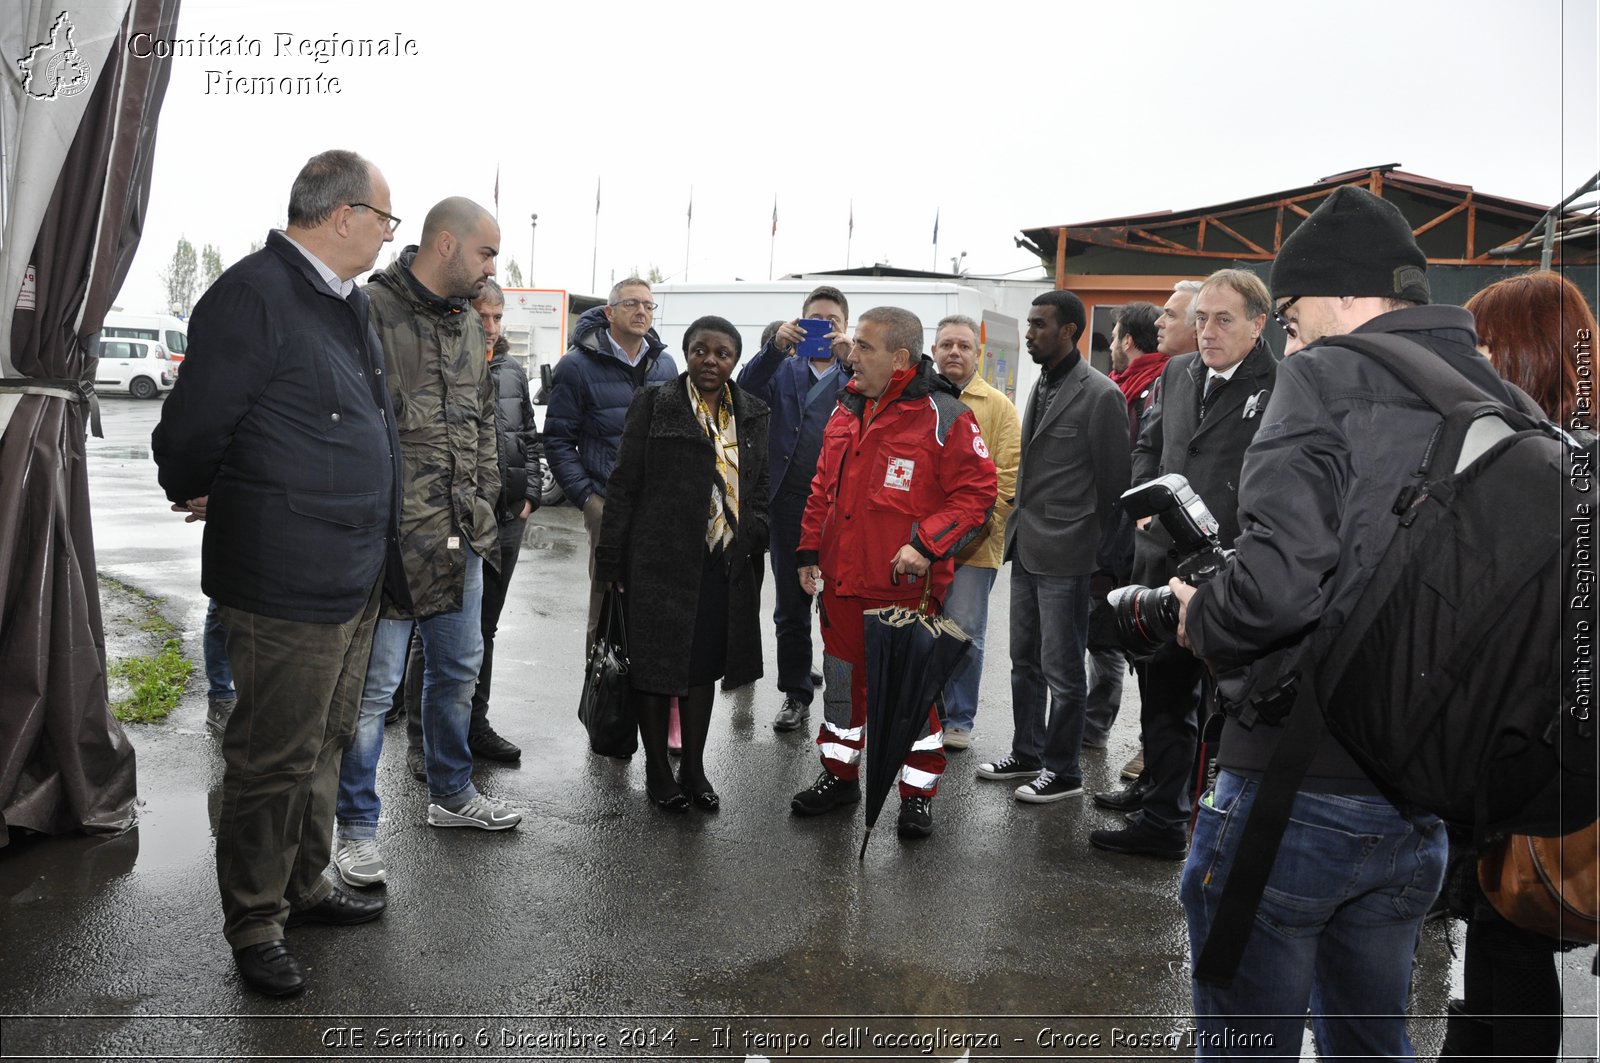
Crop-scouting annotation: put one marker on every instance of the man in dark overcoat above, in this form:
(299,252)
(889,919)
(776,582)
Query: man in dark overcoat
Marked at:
(1210,407)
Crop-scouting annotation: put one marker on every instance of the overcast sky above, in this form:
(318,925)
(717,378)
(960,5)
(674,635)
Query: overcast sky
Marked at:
(994,116)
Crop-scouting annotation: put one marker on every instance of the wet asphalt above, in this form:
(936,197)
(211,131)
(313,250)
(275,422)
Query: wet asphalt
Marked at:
(601,927)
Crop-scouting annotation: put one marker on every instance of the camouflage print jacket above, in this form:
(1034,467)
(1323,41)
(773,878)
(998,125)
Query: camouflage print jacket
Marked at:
(444,410)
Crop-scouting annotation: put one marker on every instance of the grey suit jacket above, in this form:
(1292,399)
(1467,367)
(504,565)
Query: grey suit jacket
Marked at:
(1210,452)
(1075,465)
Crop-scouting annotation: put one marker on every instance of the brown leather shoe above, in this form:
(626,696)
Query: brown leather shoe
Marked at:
(270,968)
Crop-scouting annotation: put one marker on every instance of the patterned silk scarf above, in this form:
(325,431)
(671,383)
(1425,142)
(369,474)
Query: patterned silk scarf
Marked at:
(723,519)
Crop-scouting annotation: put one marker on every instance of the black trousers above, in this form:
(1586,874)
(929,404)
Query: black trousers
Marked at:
(1170,692)
(792,611)
(495,586)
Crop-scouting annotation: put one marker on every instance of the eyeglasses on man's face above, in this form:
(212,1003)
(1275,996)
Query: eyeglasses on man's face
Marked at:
(636,304)
(1283,308)
(388,219)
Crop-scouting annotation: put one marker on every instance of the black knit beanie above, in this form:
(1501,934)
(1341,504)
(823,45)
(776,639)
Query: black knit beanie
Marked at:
(1354,244)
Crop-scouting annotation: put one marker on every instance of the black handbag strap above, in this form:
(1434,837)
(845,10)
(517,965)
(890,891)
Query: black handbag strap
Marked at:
(613,626)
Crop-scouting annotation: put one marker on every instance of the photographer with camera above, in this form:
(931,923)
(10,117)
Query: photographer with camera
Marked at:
(1353,875)
(1210,407)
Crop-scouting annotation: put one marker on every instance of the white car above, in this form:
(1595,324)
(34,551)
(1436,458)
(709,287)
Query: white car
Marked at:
(142,368)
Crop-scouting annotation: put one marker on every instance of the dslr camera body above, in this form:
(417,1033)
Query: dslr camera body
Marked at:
(1147,618)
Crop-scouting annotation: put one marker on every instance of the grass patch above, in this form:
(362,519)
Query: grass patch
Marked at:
(152,622)
(154,683)
(157,624)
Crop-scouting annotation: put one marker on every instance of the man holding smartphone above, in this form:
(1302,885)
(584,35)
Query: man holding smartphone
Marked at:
(800,381)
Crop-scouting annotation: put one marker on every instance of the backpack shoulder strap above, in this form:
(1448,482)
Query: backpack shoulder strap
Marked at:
(1433,379)
(1257,849)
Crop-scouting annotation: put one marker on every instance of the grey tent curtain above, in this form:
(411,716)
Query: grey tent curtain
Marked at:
(65,763)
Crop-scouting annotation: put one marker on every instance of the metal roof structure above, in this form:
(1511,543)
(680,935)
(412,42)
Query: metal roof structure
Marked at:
(1455,225)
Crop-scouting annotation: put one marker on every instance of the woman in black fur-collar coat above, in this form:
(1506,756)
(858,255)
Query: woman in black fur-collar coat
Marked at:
(684,529)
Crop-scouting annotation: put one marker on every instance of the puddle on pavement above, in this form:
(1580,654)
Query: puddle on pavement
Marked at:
(558,542)
(122,453)
(175,834)
(36,867)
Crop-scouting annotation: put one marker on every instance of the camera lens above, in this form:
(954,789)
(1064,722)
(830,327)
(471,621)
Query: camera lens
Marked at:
(1146,618)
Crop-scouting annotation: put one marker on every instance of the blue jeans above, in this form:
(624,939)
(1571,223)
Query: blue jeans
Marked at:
(1336,931)
(218,674)
(1049,635)
(967,603)
(452,651)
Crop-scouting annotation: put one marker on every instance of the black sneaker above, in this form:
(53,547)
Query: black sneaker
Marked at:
(916,816)
(1140,839)
(1007,767)
(1050,787)
(792,716)
(417,763)
(826,794)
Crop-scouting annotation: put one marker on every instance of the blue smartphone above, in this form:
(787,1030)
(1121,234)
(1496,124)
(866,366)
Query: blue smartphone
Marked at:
(816,346)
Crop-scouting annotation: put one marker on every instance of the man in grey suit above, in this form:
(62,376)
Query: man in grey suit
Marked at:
(1075,465)
(1211,404)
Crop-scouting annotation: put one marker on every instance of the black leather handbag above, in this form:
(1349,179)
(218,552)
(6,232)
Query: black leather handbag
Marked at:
(606,706)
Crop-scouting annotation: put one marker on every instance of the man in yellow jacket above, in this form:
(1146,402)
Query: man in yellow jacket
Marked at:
(955,350)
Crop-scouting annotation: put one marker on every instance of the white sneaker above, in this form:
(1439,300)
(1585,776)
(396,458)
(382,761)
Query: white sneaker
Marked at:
(359,862)
(483,812)
(957,738)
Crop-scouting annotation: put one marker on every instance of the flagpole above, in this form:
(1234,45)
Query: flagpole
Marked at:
(850,234)
(688,233)
(772,246)
(936,239)
(594,258)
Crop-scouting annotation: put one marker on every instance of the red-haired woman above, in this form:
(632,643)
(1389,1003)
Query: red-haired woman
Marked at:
(1537,330)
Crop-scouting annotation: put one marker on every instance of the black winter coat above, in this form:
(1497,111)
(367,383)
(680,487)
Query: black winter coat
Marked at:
(653,535)
(280,416)
(1339,439)
(520,474)
(589,397)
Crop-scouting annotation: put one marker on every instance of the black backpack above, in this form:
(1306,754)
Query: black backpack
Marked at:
(1462,682)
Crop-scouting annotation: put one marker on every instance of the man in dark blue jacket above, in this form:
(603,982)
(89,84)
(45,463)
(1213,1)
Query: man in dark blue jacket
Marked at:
(614,352)
(280,435)
(802,393)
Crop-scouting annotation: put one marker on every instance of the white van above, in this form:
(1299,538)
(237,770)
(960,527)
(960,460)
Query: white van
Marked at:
(143,368)
(171,332)
(752,305)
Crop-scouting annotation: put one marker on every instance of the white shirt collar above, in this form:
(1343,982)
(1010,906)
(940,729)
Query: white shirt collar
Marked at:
(340,287)
(1225,374)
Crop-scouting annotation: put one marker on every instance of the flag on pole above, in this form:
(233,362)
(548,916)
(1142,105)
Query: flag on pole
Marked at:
(852,231)
(935,225)
(597,196)
(774,215)
(497,190)
(691,204)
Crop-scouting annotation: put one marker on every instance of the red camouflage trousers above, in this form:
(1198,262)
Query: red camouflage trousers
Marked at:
(844,699)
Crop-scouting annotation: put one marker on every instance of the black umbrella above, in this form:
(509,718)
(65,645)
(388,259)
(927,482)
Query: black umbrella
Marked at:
(910,657)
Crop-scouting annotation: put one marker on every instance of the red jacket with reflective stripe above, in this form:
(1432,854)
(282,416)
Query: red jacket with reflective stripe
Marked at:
(910,468)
